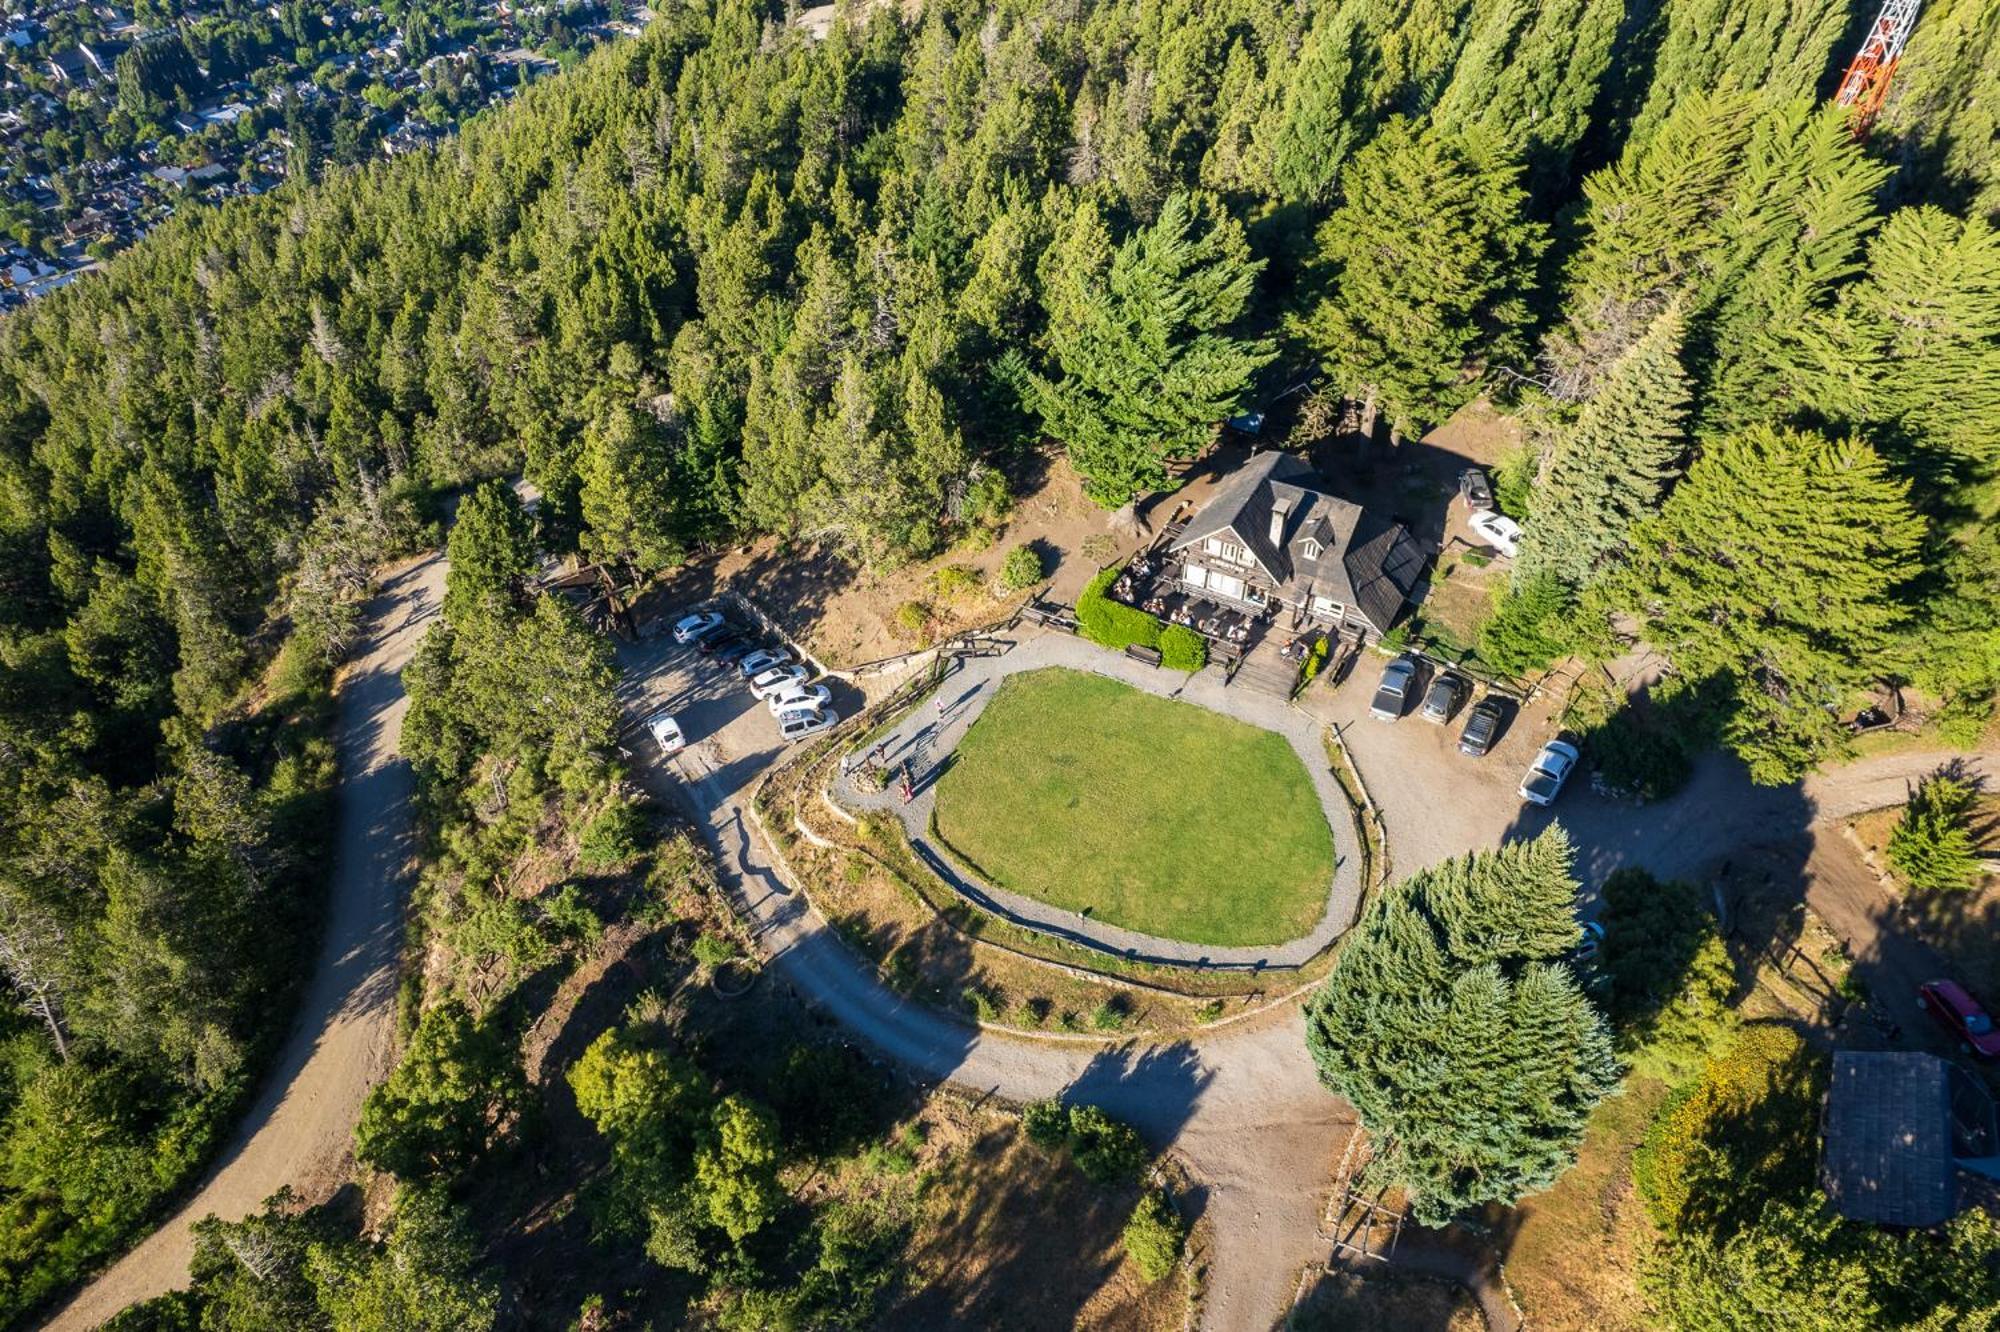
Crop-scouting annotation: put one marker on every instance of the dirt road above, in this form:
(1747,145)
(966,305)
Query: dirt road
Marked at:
(299,1129)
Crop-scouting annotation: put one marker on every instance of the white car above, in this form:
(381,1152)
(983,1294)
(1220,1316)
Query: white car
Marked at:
(694,628)
(1548,772)
(799,697)
(1497,530)
(763,659)
(667,733)
(799,724)
(777,680)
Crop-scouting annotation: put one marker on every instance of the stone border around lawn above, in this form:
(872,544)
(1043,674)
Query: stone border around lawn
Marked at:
(930,731)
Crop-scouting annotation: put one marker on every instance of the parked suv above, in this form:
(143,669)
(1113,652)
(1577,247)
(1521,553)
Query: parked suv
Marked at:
(804,722)
(1446,696)
(1482,726)
(1392,696)
(1476,489)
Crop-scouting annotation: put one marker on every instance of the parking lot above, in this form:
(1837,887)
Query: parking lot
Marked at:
(731,735)
(1435,801)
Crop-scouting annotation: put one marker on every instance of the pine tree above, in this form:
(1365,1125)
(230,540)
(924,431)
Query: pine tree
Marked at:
(1802,207)
(1775,566)
(1650,225)
(1140,336)
(1453,1026)
(1423,268)
(1782,46)
(492,548)
(1607,466)
(1924,327)
(1943,112)
(1932,846)
(1529,75)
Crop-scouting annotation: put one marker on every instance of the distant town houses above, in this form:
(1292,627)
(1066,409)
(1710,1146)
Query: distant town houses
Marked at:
(107,126)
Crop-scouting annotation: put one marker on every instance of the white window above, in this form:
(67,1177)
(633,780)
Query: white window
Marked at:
(1195,576)
(1255,595)
(1225,585)
(1312,549)
(1227,550)
(1328,607)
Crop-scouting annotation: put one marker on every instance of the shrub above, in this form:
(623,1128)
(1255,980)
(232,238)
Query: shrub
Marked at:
(1106,1150)
(1108,1016)
(1636,757)
(1315,660)
(955,582)
(987,499)
(982,1004)
(1046,1123)
(1182,649)
(913,621)
(714,950)
(612,835)
(1111,624)
(1931,847)
(1154,1236)
(1671,979)
(1021,570)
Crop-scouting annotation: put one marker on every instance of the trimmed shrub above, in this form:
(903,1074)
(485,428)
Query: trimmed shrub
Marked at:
(1021,570)
(1111,624)
(1182,649)
(1154,1236)
(1106,1150)
(1932,847)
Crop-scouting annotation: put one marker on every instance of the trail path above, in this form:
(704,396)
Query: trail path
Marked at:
(299,1129)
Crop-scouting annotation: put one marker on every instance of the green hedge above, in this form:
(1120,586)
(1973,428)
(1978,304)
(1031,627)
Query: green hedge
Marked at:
(1182,649)
(1116,626)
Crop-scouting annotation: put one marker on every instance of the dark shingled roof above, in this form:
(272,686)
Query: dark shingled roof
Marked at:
(1887,1154)
(1366,561)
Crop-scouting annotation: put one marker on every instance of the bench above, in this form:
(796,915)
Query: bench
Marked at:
(1137,652)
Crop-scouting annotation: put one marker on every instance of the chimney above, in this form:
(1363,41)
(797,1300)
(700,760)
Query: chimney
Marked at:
(1279,509)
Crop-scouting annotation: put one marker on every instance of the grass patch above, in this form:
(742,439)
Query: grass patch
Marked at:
(1148,814)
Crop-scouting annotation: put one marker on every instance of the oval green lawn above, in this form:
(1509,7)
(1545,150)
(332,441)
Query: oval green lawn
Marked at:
(1154,815)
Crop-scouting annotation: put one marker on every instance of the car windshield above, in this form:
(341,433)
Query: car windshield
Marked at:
(1978,1024)
(1541,783)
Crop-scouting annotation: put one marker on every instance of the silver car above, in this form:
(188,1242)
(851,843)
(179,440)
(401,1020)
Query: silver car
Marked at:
(799,724)
(1392,696)
(1548,772)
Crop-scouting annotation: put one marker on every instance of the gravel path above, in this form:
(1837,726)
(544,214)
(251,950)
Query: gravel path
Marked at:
(300,1128)
(928,735)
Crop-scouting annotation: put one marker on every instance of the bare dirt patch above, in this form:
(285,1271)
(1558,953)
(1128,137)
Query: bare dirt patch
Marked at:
(1008,1236)
(1573,1255)
(1383,1299)
(846,613)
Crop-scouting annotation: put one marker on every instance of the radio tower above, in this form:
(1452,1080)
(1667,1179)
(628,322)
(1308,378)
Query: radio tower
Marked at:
(1866,82)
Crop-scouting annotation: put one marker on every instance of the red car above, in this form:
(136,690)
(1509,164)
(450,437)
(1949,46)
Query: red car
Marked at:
(1948,1002)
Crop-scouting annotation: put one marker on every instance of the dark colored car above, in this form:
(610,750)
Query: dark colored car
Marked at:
(1399,677)
(727,646)
(1482,726)
(1476,489)
(1446,696)
(1960,1013)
